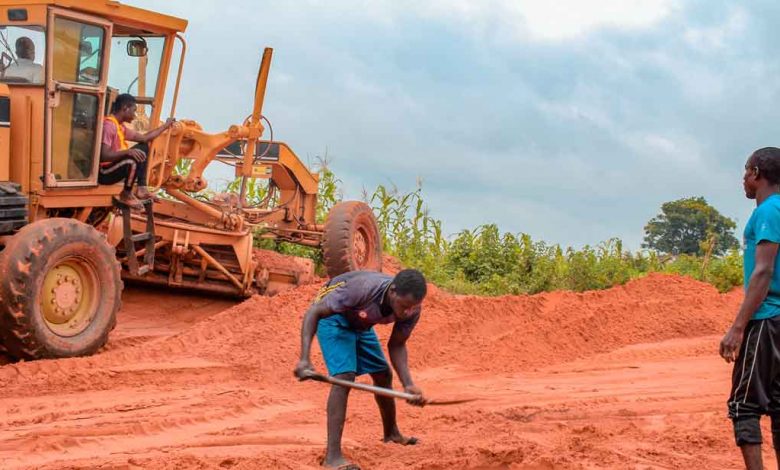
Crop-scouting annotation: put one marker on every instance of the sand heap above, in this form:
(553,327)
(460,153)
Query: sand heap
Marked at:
(500,334)
(220,392)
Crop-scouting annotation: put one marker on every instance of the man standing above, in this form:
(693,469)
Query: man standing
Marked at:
(343,316)
(119,162)
(755,389)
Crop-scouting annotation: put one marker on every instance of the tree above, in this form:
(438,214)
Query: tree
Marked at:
(690,226)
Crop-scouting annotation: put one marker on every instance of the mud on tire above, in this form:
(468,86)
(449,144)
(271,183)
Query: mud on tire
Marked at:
(351,240)
(60,289)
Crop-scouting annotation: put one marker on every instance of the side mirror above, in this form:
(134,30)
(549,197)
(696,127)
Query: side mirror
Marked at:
(137,48)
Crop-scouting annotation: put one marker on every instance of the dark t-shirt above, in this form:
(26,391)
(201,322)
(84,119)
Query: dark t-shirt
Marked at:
(357,296)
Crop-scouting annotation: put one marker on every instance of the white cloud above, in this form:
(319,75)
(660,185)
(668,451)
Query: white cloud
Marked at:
(577,112)
(676,151)
(539,20)
(542,20)
(566,19)
(717,37)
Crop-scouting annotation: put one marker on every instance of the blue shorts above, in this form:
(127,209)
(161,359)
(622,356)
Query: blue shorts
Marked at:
(348,350)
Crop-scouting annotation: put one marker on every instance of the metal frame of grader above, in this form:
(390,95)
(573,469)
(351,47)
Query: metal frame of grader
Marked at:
(50,135)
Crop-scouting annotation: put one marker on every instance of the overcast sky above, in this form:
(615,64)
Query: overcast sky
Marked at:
(570,120)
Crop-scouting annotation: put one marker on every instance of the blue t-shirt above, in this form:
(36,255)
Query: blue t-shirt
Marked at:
(764,225)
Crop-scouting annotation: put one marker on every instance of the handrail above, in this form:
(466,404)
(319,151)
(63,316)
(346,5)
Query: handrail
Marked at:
(173,106)
(178,76)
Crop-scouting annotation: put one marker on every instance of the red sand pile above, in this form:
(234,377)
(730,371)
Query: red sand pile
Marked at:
(220,393)
(502,334)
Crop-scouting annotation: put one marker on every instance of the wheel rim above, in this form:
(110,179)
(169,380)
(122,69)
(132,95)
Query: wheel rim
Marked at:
(69,299)
(361,247)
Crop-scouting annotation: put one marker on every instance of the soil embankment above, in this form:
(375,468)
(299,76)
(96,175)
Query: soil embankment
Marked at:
(623,378)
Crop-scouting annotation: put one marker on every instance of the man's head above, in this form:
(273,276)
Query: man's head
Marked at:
(762,170)
(25,48)
(124,108)
(406,293)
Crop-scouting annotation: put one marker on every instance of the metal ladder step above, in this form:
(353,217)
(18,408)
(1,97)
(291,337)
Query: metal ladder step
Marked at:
(142,237)
(130,239)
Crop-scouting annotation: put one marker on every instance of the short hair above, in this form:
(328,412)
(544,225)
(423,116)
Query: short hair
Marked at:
(767,160)
(23,45)
(125,99)
(410,281)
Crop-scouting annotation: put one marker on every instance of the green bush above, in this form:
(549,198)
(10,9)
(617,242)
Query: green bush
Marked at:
(485,261)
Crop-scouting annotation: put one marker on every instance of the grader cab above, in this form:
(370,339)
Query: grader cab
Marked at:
(67,243)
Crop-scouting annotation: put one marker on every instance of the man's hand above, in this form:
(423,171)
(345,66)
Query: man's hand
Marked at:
(302,369)
(169,122)
(138,155)
(419,399)
(729,345)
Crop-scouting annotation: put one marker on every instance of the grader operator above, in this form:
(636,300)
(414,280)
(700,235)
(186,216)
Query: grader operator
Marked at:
(67,243)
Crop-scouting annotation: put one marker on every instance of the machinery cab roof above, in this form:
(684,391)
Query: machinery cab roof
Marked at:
(127,19)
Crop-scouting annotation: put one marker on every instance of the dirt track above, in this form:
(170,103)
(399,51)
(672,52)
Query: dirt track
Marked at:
(624,378)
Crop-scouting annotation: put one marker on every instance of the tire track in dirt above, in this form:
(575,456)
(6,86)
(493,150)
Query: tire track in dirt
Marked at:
(623,378)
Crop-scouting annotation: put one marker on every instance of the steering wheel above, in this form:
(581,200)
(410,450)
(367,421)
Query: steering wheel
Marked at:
(89,75)
(5,62)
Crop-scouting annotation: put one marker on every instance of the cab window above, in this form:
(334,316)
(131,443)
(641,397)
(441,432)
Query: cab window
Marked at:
(22,54)
(136,75)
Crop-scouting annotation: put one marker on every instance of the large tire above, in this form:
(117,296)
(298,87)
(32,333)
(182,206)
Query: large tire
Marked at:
(60,289)
(351,241)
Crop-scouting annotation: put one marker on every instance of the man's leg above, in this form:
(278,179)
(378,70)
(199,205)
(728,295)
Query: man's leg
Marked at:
(751,388)
(774,404)
(337,413)
(123,170)
(371,360)
(142,191)
(748,433)
(387,410)
(338,344)
(751,454)
(776,437)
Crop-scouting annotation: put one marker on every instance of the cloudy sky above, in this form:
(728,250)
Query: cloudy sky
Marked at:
(569,120)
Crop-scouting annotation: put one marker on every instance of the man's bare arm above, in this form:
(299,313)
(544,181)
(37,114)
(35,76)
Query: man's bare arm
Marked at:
(111,156)
(316,312)
(399,357)
(758,287)
(145,137)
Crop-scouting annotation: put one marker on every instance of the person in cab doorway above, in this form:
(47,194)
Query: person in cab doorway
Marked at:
(119,161)
(753,341)
(342,316)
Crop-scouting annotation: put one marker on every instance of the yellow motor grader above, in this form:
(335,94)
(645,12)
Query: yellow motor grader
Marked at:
(67,243)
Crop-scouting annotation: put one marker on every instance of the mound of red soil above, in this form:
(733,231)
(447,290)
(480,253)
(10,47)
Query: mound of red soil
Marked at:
(501,334)
(182,387)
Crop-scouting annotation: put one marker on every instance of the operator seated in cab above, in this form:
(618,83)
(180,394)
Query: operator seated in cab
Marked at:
(24,67)
(120,162)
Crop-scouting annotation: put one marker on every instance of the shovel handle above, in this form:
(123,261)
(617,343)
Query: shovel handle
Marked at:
(381,391)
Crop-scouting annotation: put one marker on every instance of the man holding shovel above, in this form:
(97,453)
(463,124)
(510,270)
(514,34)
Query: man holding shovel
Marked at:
(343,315)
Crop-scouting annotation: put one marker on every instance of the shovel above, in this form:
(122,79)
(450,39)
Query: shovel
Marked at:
(381,391)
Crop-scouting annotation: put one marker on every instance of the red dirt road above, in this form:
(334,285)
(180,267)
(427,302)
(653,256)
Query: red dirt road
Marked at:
(624,378)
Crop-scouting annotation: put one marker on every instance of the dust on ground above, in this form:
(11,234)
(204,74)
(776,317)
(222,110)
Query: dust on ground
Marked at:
(623,378)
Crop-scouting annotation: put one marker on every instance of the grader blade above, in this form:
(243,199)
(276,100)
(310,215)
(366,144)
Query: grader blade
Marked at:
(195,256)
(277,272)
